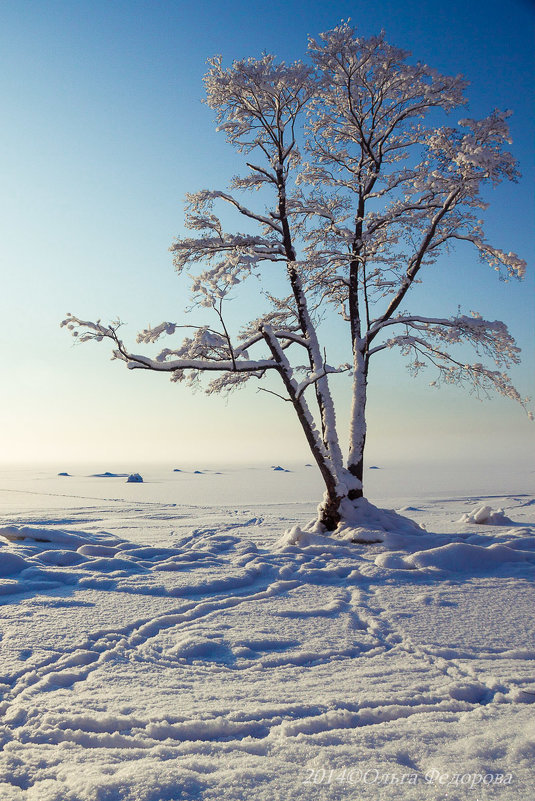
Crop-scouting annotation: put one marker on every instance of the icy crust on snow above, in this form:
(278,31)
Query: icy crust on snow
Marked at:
(197,653)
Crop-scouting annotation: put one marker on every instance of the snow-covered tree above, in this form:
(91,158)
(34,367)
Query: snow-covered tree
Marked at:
(359,188)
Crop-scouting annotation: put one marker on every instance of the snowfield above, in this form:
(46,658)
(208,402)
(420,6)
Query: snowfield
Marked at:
(171,640)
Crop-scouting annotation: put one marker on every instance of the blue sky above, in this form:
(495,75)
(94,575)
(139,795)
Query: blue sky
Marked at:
(103,134)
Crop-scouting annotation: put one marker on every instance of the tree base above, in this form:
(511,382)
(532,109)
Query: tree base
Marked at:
(359,521)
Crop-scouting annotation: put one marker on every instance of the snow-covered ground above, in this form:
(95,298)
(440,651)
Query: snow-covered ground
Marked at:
(168,640)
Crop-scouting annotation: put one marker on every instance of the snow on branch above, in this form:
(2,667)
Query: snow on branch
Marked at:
(427,341)
(373,98)
(86,331)
(206,351)
(257,102)
(515,267)
(313,378)
(153,334)
(200,199)
(491,338)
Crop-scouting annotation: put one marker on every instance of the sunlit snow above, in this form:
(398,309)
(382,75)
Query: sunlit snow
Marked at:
(191,637)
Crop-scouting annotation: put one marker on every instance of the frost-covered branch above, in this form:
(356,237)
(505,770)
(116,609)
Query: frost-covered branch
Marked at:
(201,198)
(490,339)
(205,351)
(315,377)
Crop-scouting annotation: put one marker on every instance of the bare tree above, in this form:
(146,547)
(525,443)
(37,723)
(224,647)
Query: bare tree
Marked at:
(361,190)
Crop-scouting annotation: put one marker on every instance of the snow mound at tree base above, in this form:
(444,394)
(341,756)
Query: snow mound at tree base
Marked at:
(404,545)
(362,523)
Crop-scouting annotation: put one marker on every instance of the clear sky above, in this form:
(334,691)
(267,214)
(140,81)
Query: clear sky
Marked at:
(104,132)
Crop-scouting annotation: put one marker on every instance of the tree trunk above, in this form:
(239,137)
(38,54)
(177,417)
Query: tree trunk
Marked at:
(358,421)
(329,514)
(321,387)
(329,511)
